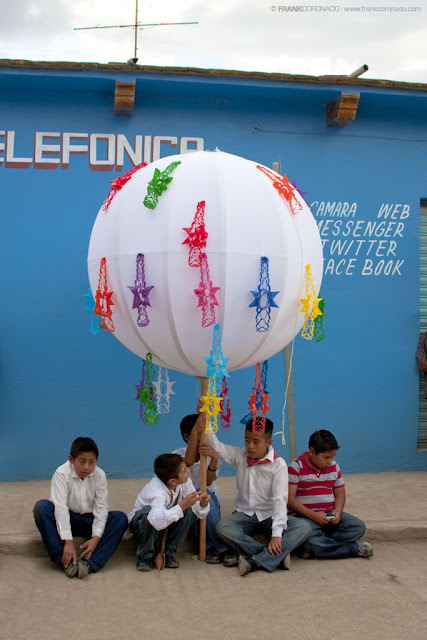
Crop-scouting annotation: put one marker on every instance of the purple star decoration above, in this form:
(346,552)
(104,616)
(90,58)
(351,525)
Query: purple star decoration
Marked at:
(263,298)
(141,292)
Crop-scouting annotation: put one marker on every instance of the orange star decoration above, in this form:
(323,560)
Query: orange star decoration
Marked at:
(103,300)
(212,407)
(309,302)
(258,423)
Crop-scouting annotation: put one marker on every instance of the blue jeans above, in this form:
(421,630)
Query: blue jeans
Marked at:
(237,531)
(212,519)
(150,540)
(81,525)
(335,540)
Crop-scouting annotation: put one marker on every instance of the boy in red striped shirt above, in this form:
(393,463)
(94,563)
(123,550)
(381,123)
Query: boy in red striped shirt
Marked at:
(317,493)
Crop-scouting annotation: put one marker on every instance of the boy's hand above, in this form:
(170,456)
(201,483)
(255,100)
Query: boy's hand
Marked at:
(204,499)
(208,450)
(69,553)
(200,425)
(337,517)
(275,546)
(89,547)
(189,500)
(319,517)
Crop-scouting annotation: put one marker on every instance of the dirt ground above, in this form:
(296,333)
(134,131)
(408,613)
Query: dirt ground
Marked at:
(382,598)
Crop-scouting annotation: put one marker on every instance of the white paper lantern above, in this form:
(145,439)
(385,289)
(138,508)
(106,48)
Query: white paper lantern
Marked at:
(246,218)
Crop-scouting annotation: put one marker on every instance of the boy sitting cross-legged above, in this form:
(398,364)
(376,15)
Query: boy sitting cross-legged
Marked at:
(215,549)
(317,495)
(164,511)
(262,479)
(78,506)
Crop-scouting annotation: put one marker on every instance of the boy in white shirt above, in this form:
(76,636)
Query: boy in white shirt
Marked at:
(262,494)
(164,511)
(215,548)
(78,506)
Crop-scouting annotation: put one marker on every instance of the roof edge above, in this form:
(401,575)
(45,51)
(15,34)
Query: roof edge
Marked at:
(124,67)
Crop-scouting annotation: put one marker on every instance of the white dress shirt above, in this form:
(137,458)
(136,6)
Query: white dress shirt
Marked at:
(164,503)
(262,488)
(68,493)
(195,472)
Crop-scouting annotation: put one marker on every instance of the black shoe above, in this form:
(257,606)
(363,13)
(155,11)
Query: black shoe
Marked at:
(230,559)
(71,570)
(213,557)
(145,565)
(246,565)
(84,569)
(171,562)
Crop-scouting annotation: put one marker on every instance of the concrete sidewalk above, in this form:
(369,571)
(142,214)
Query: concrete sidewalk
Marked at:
(393,505)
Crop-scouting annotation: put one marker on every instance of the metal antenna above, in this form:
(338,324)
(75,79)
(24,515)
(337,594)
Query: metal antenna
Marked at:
(134,26)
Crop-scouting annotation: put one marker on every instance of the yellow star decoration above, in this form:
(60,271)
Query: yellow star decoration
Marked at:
(309,301)
(211,405)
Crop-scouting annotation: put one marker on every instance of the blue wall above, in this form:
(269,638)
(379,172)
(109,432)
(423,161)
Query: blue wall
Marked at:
(58,381)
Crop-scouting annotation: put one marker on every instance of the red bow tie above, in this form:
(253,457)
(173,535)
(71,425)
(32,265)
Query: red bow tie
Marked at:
(251,461)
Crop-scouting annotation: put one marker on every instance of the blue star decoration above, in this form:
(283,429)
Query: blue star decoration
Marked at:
(263,299)
(216,365)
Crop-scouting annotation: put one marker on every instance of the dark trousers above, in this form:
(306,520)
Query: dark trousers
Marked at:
(150,540)
(81,525)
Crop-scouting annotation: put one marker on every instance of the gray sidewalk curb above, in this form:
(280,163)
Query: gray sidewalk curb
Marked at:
(32,545)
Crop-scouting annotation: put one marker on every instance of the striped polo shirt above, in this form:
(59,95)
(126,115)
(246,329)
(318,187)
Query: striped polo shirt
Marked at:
(315,488)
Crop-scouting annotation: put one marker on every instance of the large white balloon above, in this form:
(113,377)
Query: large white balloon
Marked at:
(246,218)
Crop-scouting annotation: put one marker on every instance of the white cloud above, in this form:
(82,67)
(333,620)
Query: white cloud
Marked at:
(231,34)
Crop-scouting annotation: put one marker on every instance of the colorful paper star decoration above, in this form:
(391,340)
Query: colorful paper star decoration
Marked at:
(95,320)
(310,306)
(258,424)
(145,392)
(264,374)
(197,236)
(284,188)
(319,332)
(163,390)
(103,300)
(206,294)
(119,183)
(216,361)
(225,405)
(158,185)
(263,298)
(141,292)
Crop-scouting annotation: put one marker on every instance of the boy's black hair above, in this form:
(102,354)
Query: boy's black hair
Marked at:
(323,441)
(268,431)
(167,465)
(187,423)
(83,445)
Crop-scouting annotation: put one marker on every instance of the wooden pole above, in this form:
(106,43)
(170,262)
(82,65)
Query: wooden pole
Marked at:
(203,479)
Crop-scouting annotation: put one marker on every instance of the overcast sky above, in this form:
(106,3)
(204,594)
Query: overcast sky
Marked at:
(250,35)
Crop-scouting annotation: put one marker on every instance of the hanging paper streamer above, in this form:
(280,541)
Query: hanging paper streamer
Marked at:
(264,373)
(225,406)
(216,361)
(211,405)
(263,298)
(319,332)
(284,188)
(258,425)
(163,390)
(138,388)
(147,391)
(103,300)
(206,294)
(310,306)
(215,372)
(94,319)
(141,292)
(158,185)
(119,183)
(197,236)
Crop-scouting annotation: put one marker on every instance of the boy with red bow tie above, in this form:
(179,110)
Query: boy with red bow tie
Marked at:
(262,494)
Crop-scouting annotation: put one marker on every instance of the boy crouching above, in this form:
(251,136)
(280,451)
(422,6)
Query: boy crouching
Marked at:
(164,511)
